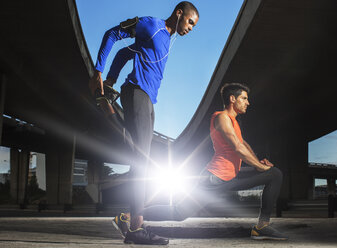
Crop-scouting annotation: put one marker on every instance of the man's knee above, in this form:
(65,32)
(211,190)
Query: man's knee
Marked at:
(277,173)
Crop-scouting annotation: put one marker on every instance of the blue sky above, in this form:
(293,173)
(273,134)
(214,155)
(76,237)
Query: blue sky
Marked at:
(191,61)
(324,149)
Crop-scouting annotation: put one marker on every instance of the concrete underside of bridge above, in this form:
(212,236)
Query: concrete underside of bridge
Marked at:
(284,50)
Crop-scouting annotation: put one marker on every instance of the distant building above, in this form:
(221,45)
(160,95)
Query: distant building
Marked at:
(80,177)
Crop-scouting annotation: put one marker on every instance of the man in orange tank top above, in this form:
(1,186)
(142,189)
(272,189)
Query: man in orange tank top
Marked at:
(224,171)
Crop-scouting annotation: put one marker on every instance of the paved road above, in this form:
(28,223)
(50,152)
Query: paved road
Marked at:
(194,232)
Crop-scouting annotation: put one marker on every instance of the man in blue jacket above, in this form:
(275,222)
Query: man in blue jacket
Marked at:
(139,92)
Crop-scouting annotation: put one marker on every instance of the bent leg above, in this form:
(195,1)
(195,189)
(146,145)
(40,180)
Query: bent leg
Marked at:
(249,178)
(138,116)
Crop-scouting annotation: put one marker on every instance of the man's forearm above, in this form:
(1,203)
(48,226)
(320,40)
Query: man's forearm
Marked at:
(250,149)
(249,157)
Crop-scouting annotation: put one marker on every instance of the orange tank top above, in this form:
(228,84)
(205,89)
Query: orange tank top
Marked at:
(225,163)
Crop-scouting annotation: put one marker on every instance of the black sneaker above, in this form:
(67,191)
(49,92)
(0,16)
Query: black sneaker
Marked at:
(267,232)
(144,236)
(122,223)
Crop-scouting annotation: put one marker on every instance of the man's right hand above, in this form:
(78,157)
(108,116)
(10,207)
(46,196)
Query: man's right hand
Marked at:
(110,81)
(96,82)
(263,167)
(266,162)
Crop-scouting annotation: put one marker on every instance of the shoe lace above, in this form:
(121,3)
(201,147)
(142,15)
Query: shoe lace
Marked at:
(124,218)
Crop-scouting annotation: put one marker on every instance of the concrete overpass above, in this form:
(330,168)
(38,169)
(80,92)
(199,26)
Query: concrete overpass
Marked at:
(284,50)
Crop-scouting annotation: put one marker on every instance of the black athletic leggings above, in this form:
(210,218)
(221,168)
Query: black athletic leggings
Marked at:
(139,120)
(209,184)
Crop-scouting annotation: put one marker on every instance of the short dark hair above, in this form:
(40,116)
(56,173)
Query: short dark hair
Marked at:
(230,89)
(186,7)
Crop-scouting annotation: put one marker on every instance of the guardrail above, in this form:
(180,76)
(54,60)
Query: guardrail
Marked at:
(322,165)
(163,137)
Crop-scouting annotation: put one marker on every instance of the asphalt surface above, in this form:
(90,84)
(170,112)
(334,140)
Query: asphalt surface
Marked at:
(97,232)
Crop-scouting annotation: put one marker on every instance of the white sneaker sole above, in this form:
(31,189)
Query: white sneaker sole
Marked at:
(267,238)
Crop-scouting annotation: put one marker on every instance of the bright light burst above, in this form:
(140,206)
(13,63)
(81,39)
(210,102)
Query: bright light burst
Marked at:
(171,180)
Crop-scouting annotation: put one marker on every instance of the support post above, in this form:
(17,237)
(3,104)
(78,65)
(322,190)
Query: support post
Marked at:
(331,181)
(66,165)
(23,178)
(14,172)
(59,171)
(52,175)
(19,164)
(2,102)
(299,171)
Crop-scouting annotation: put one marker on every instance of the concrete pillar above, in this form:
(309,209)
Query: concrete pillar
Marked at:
(311,188)
(331,186)
(94,171)
(94,175)
(67,159)
(2,102)
(14,168)
(298,167)
(278,155)
(52,176)
(19,162)
(59,172)
(23,176)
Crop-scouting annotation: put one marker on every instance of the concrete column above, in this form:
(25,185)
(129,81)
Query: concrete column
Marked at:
(331,186)
(19,163)
(14,168)
(52,175)
(67,158)
(59,171)
(23,176)
(311,187)
(298,167)
(94,175)
(2,102)
(94,171)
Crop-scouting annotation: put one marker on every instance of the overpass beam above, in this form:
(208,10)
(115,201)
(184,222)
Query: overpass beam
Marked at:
(298,167)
